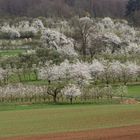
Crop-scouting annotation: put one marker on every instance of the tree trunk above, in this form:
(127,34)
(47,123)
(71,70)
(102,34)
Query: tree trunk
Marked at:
(54,99)
(71,100)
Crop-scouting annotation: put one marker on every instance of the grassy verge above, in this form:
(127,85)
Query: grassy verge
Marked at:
(31,105)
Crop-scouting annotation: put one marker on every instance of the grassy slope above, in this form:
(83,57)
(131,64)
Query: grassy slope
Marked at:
(51,119)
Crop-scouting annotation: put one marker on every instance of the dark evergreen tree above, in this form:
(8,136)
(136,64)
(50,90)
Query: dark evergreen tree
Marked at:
(132,6)
(133,11)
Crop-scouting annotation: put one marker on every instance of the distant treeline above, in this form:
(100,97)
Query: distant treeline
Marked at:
(63,8)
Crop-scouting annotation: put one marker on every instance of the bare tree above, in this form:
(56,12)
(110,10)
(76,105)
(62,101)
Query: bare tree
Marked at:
(82,28)
(63,8)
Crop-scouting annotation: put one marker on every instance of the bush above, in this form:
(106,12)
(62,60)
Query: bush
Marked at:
(9,33)
(28,32)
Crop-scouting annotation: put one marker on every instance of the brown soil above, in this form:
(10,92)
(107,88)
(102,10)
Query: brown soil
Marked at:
(123,133)
(130,101)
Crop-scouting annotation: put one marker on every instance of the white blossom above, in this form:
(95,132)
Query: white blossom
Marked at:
(11,33)
(111,38)
(58,41)
(37,24)
(96,68)
(108,22)
(71,91)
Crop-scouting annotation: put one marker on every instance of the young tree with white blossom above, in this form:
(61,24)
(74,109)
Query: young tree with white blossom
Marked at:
(71,91)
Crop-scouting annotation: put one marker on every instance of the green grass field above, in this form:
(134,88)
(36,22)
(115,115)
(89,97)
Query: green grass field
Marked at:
(11,52)
(134,91)
(44,119)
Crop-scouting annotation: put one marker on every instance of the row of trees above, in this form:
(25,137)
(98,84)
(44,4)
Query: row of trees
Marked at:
(21,29)
(98,71)
(68,8)
(62,8)
(30,93)
(81,72)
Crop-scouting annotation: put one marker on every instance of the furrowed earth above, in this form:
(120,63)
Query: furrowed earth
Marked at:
(122,133)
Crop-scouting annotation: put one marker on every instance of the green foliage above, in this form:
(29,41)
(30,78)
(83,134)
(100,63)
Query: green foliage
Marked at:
(27,60)
(50,55)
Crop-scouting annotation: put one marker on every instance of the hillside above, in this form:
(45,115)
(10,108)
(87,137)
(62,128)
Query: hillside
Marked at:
(69,69)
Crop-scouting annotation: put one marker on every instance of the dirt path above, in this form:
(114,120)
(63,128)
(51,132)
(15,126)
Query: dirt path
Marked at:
(123,133)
